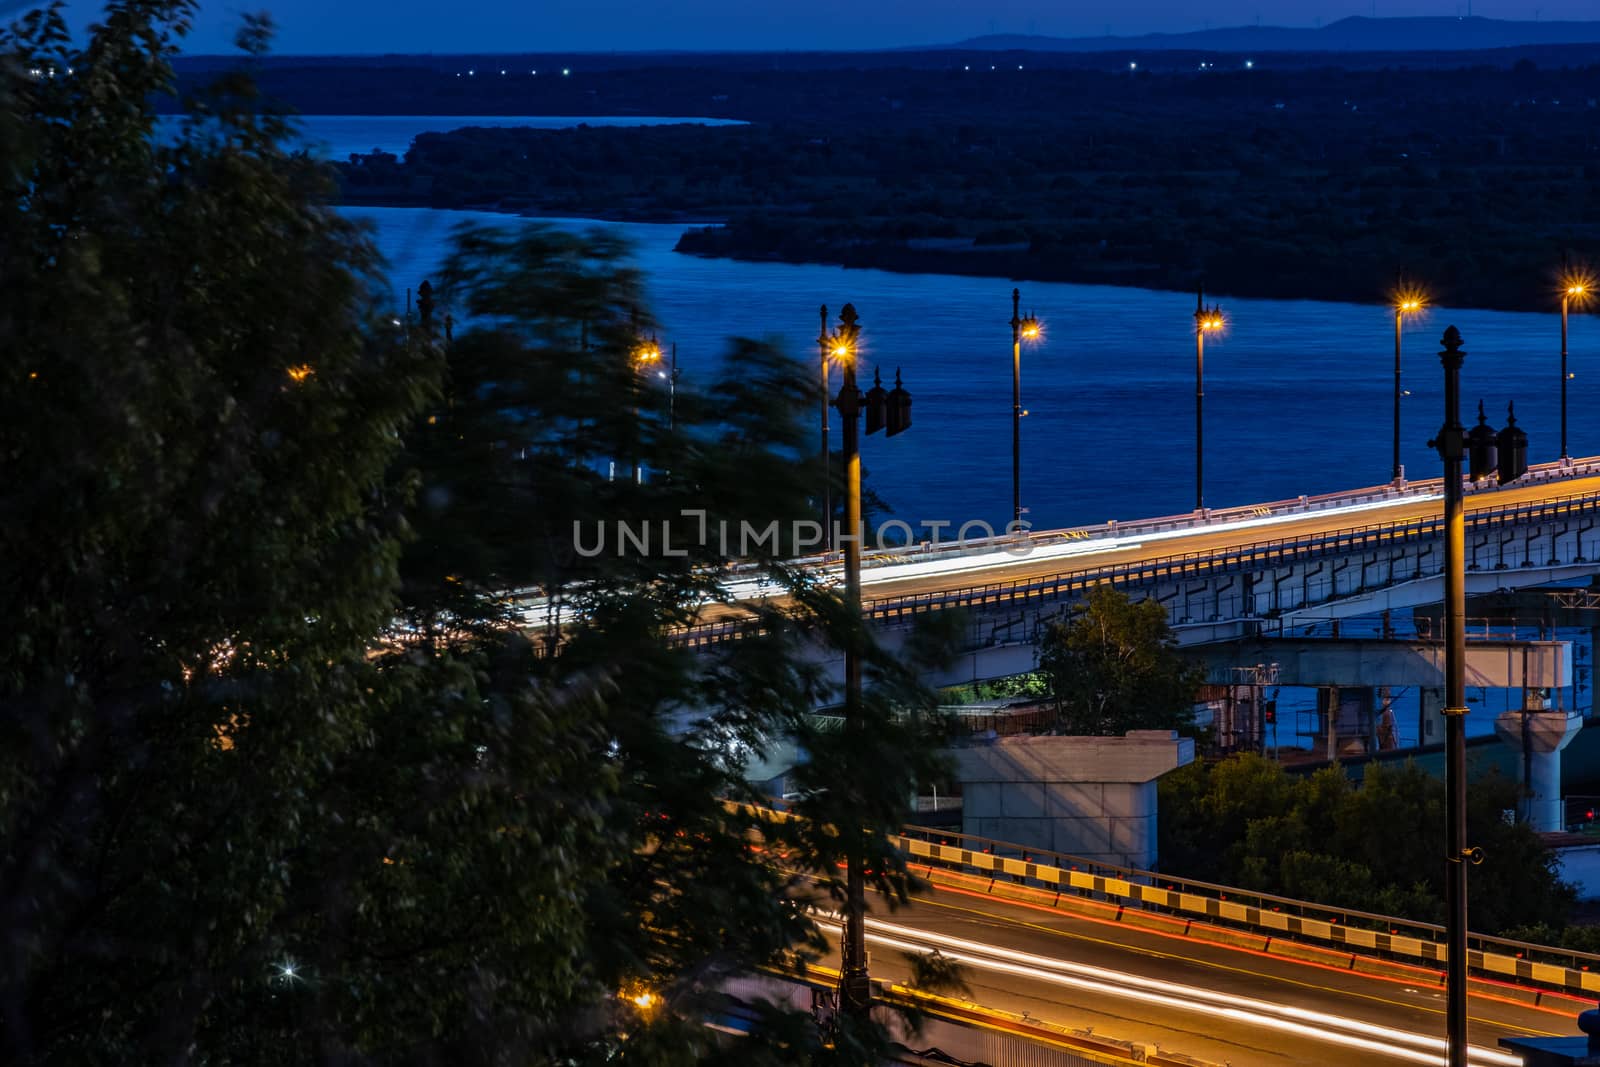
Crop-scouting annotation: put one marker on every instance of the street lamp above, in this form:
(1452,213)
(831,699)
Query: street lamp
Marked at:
(1506,454)
(1408,300)
(1206,320)
(825,345)
(1575,288)
(1022,329)
(888,410)
(646,359)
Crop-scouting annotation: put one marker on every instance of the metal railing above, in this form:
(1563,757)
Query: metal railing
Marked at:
(1234,559)
(1281,917)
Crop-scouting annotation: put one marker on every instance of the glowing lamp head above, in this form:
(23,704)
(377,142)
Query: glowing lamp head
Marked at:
(301,373)
(1212,321)
(1030,328)
(1577,289)
(840,351)
(644,1000)
(649,352)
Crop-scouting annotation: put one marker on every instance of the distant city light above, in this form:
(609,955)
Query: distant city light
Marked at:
(565,71)
(472,74)
(1249,64)
(502,74)
(1133,66)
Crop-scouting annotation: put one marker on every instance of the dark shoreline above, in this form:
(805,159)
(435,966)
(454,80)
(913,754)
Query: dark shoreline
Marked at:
(700,239)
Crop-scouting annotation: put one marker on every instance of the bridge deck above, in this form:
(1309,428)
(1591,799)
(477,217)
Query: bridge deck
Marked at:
(1061,562)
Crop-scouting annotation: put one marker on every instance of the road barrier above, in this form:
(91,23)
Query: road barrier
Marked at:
(1268,917)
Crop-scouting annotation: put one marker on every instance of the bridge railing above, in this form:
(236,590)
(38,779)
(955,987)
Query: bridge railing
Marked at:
(1248,556)
(1264,913)
(1301,505)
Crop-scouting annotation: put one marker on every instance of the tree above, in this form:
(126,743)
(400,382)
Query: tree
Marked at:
(1244,821)
(527,482)
(284,777)
(198,531)
(1113,667)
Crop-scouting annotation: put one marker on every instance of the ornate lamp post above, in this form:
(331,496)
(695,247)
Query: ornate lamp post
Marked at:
(1506,454)
(824,349)
(1022,329)
(888,410)
(1206,320)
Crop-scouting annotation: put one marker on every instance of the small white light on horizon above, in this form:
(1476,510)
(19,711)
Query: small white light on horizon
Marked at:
(1133,66)
(1249,64)
(565,71)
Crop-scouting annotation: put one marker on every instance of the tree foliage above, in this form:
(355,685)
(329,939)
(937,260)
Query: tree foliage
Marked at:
(284,777)
(1377,846)
(1113,666)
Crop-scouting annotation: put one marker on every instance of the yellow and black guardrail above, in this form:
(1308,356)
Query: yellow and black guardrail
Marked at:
(1271,916)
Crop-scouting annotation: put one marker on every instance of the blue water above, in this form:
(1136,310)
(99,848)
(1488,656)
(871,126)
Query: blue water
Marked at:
(1298,393)
(340,136)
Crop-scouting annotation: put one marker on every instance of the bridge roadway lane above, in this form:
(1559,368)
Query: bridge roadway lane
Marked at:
(892,581)
(1370,1001)
(1141,547)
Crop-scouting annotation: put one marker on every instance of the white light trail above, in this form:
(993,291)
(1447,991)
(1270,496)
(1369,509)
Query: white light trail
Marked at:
(1315,1025)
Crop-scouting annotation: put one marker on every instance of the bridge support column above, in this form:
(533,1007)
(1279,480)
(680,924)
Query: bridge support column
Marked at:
(1540,736)
(1093,797)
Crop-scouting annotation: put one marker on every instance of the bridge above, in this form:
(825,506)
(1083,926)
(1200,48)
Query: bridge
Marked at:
(1224,574)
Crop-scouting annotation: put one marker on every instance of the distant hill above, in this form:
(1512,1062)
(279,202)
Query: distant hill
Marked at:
(1355,34)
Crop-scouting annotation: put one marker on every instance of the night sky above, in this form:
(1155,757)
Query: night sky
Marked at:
(356,26)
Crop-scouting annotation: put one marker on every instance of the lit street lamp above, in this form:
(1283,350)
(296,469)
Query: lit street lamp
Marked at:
(646,360)
(1022,329)
(1206,320)
(888,410)
(1574,288)
(824,350)
(1407,301)
(1505,454)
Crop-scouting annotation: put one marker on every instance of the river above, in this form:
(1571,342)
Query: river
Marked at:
(1298,394)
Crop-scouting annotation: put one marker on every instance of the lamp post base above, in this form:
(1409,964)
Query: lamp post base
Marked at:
(855,991)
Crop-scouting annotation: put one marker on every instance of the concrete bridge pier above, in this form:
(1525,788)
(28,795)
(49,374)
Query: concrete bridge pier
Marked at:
(1540,735)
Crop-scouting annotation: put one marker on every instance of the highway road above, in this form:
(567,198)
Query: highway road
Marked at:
(1227,1005)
